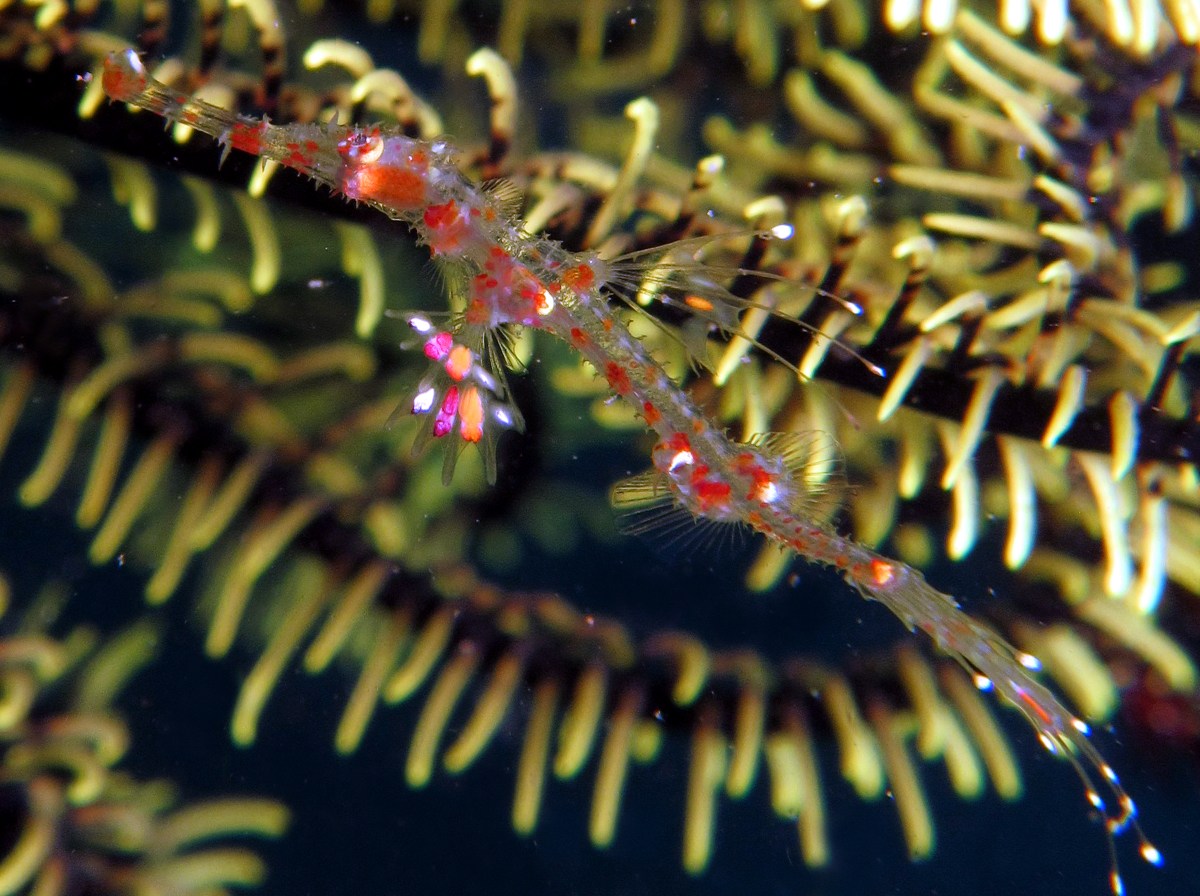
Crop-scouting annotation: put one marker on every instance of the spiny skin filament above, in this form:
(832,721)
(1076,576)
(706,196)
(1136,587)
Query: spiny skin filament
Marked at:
(510,279)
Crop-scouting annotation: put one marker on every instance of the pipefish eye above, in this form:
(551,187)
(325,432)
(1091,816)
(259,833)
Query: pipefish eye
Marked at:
(364,147)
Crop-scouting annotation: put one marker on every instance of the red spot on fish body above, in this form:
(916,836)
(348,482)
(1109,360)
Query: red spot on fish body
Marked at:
(247,137)
(396,187)
(882,572)
(762,483)
(122,81)
(679,442)
(447,229)
(1029,701)
(477,312)
(543,297)
(579,278)
(384,172)
(712,494)
(296,157)
(617,378)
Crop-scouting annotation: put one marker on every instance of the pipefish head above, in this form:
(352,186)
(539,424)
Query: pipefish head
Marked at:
(361,146)
(388,171)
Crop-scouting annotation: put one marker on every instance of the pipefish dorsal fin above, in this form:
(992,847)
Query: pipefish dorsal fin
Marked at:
(647,502)
(508,199)
(815,466)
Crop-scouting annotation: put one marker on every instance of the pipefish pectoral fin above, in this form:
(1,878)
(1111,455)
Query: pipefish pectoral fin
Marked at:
(643,501)
(647,507)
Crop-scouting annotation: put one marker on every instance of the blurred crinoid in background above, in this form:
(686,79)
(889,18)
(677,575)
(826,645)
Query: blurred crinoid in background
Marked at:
(198,372)
(74,822)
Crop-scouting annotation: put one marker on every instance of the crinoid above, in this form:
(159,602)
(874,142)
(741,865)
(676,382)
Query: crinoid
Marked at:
(76,820)
(200,380)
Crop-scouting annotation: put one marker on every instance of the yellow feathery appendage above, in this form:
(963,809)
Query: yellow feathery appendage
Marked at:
(207,396)
(75,814)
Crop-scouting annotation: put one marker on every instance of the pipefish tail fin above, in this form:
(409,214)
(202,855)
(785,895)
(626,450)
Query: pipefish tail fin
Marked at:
(997,665)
